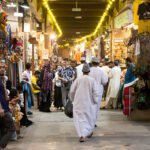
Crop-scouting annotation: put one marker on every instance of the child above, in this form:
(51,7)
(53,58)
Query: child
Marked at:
(15,109)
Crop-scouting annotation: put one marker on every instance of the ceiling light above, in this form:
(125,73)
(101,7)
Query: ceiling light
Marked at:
(53,36)
(52,17)
(78,32)
(11,5)
(78,17)
(108,7)
(76,9)
(17,14)
(25,5)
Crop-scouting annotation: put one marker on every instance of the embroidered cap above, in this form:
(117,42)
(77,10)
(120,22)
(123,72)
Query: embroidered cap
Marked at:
(86,68)
(95,60)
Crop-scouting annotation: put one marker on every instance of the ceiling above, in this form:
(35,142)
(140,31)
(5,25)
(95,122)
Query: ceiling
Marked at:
(91,11)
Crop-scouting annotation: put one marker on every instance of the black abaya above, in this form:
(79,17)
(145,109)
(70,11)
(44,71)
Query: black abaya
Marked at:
(58,97)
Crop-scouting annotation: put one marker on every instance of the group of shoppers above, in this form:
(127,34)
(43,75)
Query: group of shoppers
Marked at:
(85,85)
(13,112)
(91,85)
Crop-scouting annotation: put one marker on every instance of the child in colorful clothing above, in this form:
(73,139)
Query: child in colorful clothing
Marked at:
(15,109)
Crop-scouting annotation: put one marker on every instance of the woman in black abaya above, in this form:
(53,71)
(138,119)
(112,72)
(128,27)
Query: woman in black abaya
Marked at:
(46,88)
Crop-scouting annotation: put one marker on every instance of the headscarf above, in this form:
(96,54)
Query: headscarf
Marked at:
(47,78)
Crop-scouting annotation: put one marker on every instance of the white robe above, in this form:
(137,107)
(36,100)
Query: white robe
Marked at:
(114,83)
(79,70)
(84,94)
(101,79)
(106,69)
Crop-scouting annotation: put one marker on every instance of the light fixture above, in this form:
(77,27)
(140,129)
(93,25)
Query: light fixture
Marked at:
(11,5)
(53,36)
(25,5)
(78,17)
(17,14)
(108,7)
(78,32)
(76,9)
(52,17)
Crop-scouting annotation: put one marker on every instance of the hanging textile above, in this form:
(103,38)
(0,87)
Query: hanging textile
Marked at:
(137,47)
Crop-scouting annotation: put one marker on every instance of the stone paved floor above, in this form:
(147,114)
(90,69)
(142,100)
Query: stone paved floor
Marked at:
(54,131)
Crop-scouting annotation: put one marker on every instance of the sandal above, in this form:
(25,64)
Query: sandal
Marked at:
(89,136)
(81,139)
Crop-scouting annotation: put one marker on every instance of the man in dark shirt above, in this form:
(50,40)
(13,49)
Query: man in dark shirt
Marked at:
(66,75)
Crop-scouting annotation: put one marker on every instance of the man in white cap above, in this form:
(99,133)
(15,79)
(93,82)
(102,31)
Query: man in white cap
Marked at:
(100,77)
(79,68)
(84,94)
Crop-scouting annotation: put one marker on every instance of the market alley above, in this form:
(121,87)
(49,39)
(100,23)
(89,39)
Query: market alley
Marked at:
(55,131)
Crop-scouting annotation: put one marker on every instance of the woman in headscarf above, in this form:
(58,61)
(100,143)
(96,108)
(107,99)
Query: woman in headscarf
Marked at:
(46,88)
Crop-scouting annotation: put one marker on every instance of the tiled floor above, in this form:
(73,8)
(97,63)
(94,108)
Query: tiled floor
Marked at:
(54,131)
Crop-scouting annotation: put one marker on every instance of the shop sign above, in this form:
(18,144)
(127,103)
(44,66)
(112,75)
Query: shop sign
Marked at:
(124,19)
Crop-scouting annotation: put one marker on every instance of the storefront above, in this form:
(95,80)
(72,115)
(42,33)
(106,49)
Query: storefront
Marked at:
(120,35)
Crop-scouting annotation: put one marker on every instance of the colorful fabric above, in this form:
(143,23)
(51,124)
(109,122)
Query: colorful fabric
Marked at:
(78,57)
(34,81)
(127,101)
(129,77)
(47,78)
(8,38)
(27,91)
(66,73)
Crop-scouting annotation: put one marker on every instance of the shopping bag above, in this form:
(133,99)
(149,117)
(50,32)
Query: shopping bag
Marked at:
(69,109)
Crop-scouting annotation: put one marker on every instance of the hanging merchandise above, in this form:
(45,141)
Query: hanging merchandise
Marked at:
(102,44)
(78,56)
(137,47)
(8,38)
(107,48)
(2,41)
(15,68)
(3,20)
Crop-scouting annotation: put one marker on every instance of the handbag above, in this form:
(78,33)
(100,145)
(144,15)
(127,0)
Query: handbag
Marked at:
(69,109)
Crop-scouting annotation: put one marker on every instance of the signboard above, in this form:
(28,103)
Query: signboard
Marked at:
(123,19)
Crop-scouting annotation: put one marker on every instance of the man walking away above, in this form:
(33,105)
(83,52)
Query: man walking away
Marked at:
(99,76)
(84,94)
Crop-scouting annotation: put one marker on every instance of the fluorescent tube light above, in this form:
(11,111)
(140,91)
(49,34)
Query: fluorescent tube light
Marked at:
(11,5)
(78,17)
(76,9)
(17,14)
